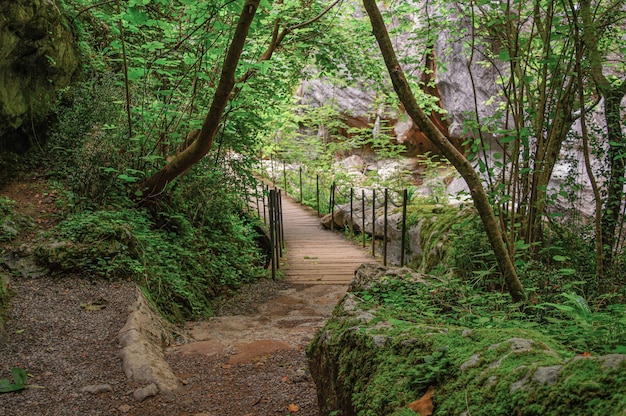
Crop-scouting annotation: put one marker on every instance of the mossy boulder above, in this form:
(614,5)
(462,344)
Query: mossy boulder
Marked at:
(369,363)
(38,56)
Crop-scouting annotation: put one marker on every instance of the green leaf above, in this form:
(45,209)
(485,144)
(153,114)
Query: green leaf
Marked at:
(504,55)
(135,73)
(19,378)
(126,178)
(19,375)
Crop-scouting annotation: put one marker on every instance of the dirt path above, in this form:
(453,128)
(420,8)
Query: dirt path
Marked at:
(251,360)
(248,360)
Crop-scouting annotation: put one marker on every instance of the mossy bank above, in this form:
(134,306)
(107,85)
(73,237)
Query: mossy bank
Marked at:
(369,361)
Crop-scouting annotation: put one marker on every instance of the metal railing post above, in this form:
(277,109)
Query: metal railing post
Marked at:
(404,202)
(373,222)
(301,193)
(265,192)
(363,216)
(331,204)
(256,193)
(385,228)
(351,212)
(272,232)
(281,230)
(317,193)
(285,175)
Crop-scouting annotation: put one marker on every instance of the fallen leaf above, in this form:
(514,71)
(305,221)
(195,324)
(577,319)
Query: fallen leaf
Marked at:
(424,406)
(293,408)
(95,305)
(285,378)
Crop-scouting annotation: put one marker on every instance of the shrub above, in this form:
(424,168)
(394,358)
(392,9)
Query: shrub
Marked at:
(181,266)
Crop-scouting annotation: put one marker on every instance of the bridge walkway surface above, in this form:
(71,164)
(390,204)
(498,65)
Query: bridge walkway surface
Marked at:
(314,255)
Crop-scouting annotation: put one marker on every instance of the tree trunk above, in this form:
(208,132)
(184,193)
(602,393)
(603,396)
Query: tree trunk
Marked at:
(545,162)
(613,93)
(155,184)
(462,165)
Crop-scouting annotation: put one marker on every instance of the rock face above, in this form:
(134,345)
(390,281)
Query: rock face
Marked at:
(38,56)
(453,87)
(365,362)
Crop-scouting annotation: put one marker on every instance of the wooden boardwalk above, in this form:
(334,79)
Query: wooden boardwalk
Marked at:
(314,255)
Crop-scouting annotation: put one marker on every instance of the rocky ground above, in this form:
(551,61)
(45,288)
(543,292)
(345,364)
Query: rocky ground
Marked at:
(64,331)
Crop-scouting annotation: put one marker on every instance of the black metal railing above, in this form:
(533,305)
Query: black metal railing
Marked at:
(268,206)
(324,193)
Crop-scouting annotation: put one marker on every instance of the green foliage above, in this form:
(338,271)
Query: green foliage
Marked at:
(103,243)
(19,381)
(436,223)
(432,168)
(571,321)
(566,260)
(86,148)
(8,227)
(382,355)
(182,262)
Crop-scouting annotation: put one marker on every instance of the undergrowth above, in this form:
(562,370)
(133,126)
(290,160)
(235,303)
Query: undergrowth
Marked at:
(193,244)
(181,266)
(598,328)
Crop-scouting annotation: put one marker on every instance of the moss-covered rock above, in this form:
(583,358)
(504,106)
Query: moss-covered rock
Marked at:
(38,56)
(368,363)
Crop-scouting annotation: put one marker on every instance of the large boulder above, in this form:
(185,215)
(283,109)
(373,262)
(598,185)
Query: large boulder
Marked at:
(38,56)
(366,362)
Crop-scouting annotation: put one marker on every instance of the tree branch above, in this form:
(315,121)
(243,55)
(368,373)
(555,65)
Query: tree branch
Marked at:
(463,166)
(278,37)
(155,184)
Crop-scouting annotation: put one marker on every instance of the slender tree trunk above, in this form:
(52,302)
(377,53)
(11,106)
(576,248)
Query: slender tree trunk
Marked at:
(615,187)
(556,135)
(484,208)
(613,93)
(155,184)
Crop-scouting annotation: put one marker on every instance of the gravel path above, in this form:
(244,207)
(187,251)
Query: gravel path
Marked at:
(67,349)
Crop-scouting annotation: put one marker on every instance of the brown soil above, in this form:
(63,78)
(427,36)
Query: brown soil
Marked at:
(248,361)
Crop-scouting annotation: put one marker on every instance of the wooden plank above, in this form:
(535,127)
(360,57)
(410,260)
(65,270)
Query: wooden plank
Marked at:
(315,255)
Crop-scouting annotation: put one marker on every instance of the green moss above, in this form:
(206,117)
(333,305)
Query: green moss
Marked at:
(385,363)
(435,223)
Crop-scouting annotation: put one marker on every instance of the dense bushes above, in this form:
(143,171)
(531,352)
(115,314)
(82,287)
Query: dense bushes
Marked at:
(193,244)
(181,267)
